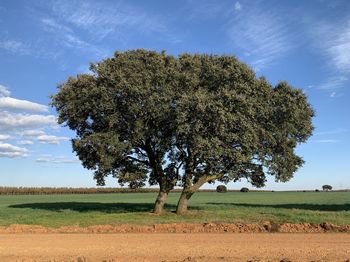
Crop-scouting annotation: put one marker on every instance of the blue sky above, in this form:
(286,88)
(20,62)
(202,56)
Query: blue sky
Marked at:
(306,43)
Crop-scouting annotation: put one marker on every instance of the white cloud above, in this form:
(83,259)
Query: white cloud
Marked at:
(4,91)
(24,127)
(16,47)
(332,40)
(339,48)
(333,82)
(11,121)
(11,151)
(25,142)
(56,160)
(50,139)
(262,34)
(54,26)
(9,103)
(238,6)
(4,137)
(114,19)
(66,36)
(32,133)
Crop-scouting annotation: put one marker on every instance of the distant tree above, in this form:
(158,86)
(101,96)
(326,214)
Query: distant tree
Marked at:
(326,187)
(244,189)
(221,189)
(317,190)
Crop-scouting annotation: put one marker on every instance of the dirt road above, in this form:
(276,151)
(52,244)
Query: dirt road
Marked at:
(175,247)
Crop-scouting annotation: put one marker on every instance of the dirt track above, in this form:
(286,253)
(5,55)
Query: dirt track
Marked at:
(175,247)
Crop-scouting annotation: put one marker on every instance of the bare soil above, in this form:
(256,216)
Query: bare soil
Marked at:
(265,227)
(202,247)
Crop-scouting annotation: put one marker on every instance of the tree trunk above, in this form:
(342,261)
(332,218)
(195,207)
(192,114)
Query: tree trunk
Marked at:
(160,201)
(183,203)
(188,191)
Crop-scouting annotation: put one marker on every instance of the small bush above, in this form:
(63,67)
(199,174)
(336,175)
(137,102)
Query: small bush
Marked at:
(244,189)
(317,190)
(221,189)
(326,187)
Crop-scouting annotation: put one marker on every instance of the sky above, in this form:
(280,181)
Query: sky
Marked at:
(42,43)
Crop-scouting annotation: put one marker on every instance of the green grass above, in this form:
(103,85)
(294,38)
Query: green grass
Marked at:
(85,210)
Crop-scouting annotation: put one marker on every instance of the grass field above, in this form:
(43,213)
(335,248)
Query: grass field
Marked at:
(85,210)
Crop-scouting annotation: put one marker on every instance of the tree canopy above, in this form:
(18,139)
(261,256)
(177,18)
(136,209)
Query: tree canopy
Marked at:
(184,120)
(327,187)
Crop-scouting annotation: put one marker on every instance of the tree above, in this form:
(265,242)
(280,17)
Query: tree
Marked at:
(123,117)
(232,125)
(244,190)
(327,187)
(184,120)
(221,189)
(134,180)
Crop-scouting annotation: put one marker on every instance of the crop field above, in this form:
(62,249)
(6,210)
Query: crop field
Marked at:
(135,208)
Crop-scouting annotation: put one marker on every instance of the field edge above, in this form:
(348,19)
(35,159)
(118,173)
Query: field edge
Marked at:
(266,227)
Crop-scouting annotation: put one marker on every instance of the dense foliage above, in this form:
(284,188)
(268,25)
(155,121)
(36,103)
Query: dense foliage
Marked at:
(327,187)
(244,190)
(184,120)
(221,189)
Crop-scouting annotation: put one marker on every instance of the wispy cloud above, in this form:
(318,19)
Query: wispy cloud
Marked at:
(331,132)
(66,36)
(332,39)
(238,6)
(103,20)
(263,36)
(336,94)
(208,9)
(334,82)
(326,141)
(15,47)
(339,48)
(56,159)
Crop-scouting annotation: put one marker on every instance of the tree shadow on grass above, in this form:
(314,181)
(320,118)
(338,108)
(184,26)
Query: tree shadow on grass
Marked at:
(305,206)
(92,206)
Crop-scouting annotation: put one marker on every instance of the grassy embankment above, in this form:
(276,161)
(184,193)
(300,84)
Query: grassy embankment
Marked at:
(85,210)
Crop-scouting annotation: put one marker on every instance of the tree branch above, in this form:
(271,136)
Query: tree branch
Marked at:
(145,162)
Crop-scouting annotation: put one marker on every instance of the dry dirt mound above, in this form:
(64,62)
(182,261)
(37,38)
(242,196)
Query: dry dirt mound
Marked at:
(183,228)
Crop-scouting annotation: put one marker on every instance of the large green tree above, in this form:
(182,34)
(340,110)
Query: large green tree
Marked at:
(189,120)
(123,117)
(231,125)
